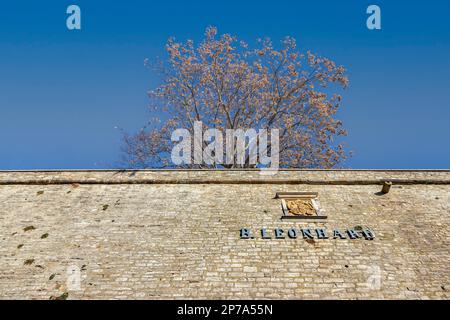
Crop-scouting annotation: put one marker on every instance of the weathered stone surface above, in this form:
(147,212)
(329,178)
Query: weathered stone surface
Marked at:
(300,207)
(175,234)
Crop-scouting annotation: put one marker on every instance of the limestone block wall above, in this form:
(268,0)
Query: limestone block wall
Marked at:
(175,234)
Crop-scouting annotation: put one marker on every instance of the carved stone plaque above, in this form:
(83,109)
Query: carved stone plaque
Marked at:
(300,205)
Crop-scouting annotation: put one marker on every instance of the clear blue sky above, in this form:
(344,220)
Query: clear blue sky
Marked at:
(62,93)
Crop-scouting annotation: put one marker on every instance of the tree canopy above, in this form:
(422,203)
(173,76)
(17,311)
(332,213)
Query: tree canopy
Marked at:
(225,84)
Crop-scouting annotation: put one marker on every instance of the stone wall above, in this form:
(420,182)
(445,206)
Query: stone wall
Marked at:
(175,234)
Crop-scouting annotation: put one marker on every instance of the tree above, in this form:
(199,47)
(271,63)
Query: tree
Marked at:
(226,85)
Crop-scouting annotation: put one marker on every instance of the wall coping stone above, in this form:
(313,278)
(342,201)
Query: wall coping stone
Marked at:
(235,176)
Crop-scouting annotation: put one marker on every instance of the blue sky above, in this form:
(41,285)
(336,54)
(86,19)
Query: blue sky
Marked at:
(62,93)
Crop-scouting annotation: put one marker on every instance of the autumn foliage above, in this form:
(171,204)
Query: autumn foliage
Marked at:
(227,85)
